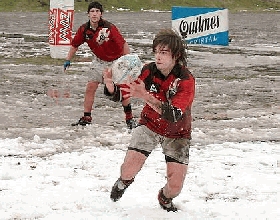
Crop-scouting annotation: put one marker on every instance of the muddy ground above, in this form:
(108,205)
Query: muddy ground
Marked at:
(237,87)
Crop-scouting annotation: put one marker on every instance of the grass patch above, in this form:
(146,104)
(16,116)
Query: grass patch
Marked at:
(137,5)
(38,60)
(41,60)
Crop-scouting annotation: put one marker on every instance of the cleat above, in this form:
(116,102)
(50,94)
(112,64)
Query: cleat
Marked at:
(85,120)
(166,203)
(119,188)
(131,123)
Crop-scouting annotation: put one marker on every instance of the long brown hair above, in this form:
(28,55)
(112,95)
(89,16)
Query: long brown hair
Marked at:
(168,37)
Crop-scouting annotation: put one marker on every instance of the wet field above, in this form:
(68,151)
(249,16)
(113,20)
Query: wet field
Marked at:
(237,87)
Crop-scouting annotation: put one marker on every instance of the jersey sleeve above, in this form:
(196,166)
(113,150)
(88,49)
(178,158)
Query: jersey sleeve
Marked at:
(117,37)
(185,94)
(180,103)
(78,38)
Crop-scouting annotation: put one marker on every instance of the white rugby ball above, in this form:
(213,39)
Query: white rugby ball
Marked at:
(127,65)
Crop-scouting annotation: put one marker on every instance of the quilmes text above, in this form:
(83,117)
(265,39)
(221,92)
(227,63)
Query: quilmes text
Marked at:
(199,25)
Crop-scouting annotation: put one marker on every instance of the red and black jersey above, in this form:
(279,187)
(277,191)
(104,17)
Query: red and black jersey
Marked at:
(106,42)
(176,91)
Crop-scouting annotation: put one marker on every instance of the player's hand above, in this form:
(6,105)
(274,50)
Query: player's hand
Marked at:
(134,89)
(107,79)
(66,64)
(107,75)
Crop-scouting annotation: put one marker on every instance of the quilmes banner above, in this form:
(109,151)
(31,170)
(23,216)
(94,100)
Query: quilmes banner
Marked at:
(201,25)
(61,16)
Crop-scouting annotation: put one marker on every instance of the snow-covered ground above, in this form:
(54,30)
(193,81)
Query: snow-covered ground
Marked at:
(225,181)
(50,170)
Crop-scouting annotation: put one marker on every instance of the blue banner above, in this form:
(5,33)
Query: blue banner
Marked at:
(201,25)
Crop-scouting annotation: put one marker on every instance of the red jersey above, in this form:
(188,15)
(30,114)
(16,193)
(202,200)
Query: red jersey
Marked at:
(106,42)
(177,89)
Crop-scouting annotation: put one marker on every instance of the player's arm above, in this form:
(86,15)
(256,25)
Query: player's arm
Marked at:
(180,101)
(72,51)
(70,54)
(121,46)
(126,49)
(108,82)
(165,109)
(170,110)
(110,89)
(137,89)
(76,42)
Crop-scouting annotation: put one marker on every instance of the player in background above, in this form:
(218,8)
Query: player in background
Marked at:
(107,44)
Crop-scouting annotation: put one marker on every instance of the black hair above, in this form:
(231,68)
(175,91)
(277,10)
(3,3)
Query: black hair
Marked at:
(95,5)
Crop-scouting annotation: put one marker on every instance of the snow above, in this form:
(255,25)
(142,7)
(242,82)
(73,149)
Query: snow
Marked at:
(50,170)
(224,181)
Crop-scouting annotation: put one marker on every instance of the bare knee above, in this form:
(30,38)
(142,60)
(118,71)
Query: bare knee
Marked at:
(132,164)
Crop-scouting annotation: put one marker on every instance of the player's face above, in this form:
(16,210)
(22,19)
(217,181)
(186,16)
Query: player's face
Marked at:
(94,15)
(164,60)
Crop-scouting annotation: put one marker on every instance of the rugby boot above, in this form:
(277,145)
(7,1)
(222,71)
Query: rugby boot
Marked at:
(131,123)
(166,203)
(118,189)
(85,120)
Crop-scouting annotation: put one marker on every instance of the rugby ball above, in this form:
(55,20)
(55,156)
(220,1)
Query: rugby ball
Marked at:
(125,66)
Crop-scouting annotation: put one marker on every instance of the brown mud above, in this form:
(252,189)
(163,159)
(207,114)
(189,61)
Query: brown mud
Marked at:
(237,87)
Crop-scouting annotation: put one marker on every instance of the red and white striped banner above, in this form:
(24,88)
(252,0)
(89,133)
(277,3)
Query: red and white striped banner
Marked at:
(60,26)
(61,17)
